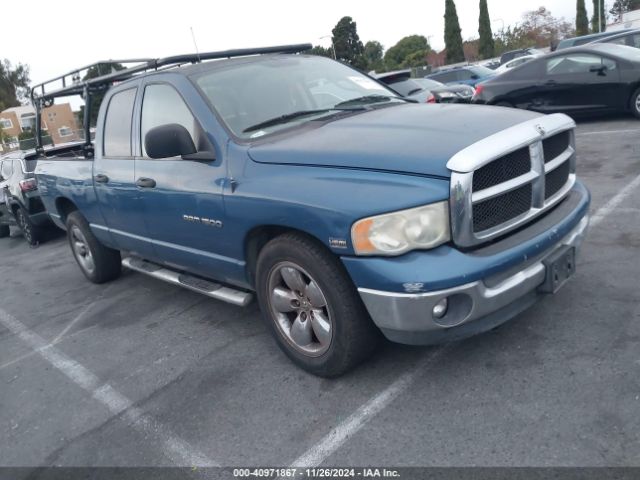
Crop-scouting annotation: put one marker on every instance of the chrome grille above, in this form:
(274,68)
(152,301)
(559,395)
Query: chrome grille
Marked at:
(554,146)
(495,211)
(506,180)
(555,179)
(510,166)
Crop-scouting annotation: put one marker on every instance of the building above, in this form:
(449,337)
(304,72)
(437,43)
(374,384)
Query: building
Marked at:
(58,121)
(629,20)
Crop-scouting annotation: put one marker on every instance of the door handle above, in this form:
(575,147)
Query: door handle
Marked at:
(144,182)
(551,82)
(100,178)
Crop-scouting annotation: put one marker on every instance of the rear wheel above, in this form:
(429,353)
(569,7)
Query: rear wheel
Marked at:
(4,231)
(98,263)
(312,307)
(32,234)
(635,103)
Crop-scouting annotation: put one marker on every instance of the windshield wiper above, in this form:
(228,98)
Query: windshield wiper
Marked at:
(369,99)
(286,118)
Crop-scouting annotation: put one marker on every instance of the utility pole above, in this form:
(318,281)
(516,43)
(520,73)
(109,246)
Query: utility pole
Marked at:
(599,15)
(333,47)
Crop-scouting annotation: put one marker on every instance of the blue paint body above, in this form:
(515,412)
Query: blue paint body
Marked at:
(318,178)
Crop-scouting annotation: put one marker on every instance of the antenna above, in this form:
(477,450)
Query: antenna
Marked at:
(195,44)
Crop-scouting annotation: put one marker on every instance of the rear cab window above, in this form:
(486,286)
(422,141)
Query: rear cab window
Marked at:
(117,124)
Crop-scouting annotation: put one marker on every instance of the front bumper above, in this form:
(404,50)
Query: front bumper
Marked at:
(473,307)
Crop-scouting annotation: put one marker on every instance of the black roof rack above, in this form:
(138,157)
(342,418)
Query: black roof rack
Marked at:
(73,84)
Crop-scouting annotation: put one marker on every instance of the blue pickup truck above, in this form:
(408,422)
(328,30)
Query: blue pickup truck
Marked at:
(347,210)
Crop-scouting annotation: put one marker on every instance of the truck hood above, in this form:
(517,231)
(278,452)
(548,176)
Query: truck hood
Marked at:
(408,138)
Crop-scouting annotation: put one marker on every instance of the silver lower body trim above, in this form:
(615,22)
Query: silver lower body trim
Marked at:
(466,303)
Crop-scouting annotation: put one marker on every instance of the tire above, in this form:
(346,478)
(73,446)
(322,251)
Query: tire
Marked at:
(99,264)
(4,231)
(635,103)
(321,324)
(32,233)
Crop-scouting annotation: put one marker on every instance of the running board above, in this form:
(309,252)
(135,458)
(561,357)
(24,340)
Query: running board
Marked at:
(200,285)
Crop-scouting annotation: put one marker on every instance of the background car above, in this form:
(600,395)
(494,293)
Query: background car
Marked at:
(585,39)
(521,52)
(514,63)
(425,90)
(597,78)
(470,75)
(20,202)
(630,39)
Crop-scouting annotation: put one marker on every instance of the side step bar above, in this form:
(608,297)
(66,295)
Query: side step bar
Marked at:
(200,285)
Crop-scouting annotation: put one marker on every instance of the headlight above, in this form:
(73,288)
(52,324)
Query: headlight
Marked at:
(398,232)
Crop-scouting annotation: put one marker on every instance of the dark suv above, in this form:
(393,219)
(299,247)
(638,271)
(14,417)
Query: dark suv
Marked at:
(20,202)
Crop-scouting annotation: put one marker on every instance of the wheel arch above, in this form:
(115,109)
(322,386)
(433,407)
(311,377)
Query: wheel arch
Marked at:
(64,207)
(259,236)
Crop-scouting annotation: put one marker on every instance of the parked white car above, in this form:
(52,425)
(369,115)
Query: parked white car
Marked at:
(514,63)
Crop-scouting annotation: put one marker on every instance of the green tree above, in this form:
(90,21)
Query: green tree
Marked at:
(320,51)
(623,6)
(96,98)
(452,33)
(582,20)
(486,47)
(373,51)
(407,52)
(347,44)
(602,17)
(538,28)
(14,84)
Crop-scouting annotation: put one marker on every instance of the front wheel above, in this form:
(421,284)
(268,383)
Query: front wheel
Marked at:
(311,306)
(32,234)
(635,103)
(98,263)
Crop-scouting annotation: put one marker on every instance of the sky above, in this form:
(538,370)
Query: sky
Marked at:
(79,32)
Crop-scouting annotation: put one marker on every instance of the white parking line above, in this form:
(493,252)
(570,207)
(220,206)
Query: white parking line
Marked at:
(177,450)
(605,132)
(606,209)
(317,454)
(340,434)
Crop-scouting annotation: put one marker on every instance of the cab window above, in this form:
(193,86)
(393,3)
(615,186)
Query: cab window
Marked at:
(117,125)
(162,105)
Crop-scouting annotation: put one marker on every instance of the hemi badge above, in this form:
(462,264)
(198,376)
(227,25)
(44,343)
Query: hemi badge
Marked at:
(338,242)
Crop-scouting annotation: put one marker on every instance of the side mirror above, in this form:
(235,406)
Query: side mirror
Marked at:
(171,140)
(474,77)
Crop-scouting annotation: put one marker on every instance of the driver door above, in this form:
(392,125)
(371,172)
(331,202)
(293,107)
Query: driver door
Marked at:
(182,199)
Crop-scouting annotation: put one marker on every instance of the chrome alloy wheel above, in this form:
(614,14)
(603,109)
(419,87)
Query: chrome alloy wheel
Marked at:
(638,104)
(81,250)
(300,309)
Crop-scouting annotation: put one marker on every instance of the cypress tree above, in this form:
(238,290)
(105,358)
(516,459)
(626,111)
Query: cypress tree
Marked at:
(602,16)
(486,47)
(452,33)
(582,21)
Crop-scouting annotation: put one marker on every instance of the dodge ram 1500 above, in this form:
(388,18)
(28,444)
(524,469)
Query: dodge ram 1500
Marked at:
(347,210)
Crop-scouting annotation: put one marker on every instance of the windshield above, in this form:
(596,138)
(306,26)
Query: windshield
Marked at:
(481,71)
(428,83)
(277,92)
(404,86)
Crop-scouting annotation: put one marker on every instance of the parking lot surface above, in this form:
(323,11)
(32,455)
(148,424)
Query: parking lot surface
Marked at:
(140,373)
